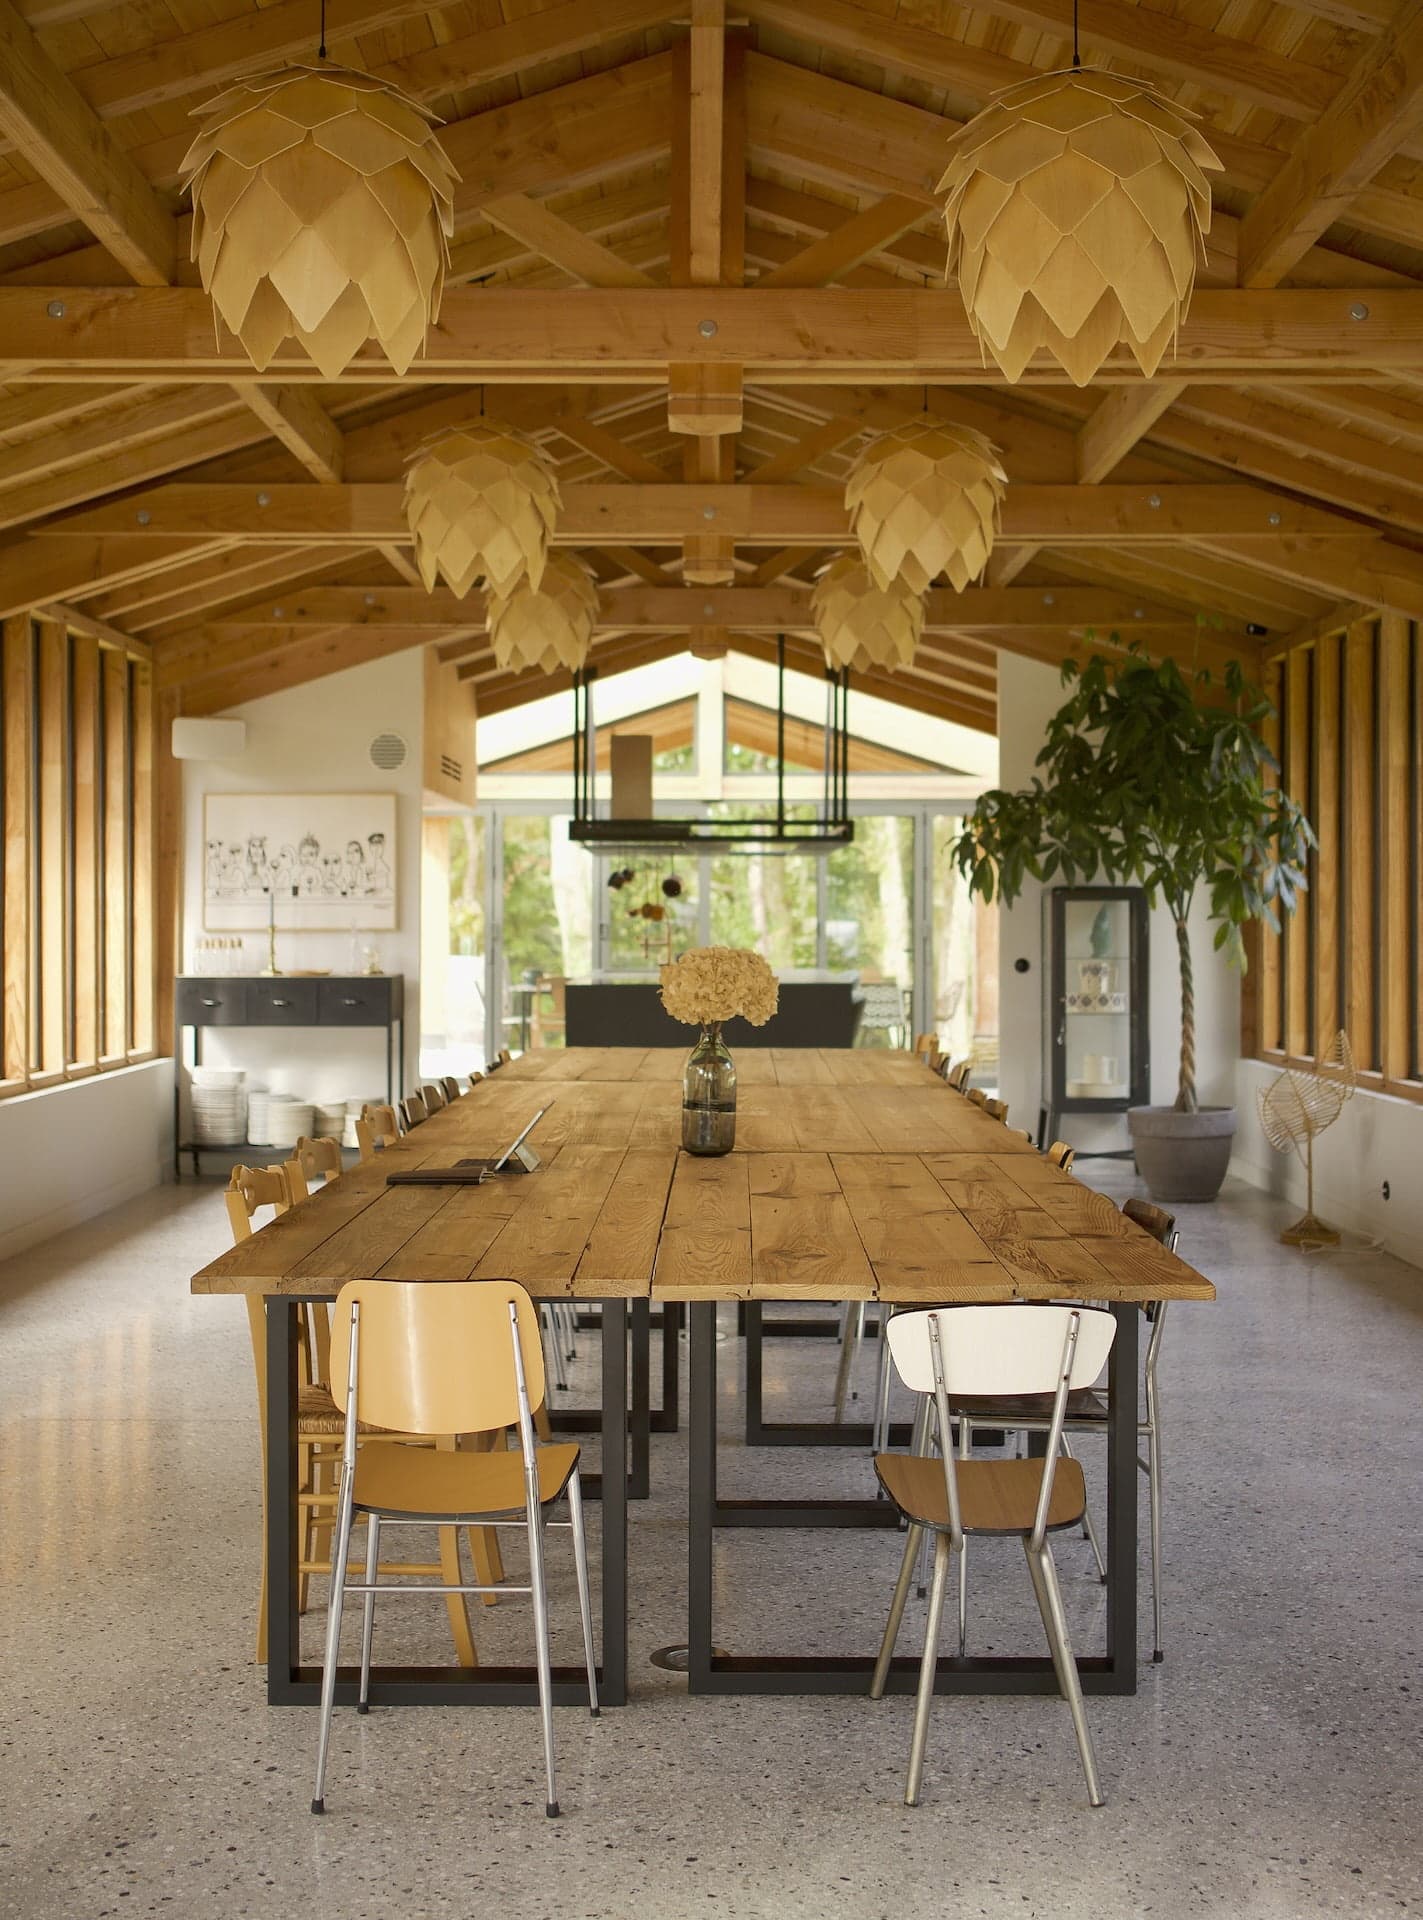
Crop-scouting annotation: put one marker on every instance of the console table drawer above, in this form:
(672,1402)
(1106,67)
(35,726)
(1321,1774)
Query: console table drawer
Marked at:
(212,1003)
(353,1003)
(281,1003)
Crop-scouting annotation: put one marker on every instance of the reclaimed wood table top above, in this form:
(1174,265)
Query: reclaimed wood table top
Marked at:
(857,1175)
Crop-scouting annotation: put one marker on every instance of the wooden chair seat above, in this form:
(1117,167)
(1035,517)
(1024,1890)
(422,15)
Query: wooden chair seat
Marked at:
(995,1496)
(399,1481)
(1083,1403)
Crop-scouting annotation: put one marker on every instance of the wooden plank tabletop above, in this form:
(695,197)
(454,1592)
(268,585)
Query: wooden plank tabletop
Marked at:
(857,1175)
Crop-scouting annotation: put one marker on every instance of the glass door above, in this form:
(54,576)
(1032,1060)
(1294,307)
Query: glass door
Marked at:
(544,929)
(869,915)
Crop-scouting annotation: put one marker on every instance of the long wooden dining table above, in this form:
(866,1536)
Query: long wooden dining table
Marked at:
(857,1175)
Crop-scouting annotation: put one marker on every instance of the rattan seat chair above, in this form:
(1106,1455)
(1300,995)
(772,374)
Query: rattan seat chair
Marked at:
(450,1358)
(995,1351)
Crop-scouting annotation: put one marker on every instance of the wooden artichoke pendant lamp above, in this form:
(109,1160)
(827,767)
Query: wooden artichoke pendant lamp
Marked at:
(1075,206)
(322,209)
(862,624)
(481,502)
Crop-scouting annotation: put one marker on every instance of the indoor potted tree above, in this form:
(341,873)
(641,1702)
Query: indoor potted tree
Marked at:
(1153,779)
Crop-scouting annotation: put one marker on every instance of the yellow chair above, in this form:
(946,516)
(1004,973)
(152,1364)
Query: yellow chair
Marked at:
(413,1112)
(319,1424)
(996,1110)
(377,1127)
(430,1359)
(313,1160)
(450,1087)
(957,1076)
(434,1098)
(1061,1155)
(978,1097)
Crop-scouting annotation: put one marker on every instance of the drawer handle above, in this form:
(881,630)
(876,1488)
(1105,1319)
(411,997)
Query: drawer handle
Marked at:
(212,1003)
(280,1003)
(350,1003)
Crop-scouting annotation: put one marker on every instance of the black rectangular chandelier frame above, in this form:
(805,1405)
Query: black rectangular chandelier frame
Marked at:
(769,833)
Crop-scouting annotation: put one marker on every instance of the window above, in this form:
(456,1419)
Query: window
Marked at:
(1349,736)
(76,867)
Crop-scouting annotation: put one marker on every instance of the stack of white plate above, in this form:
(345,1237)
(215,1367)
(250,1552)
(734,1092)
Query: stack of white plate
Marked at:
(259,1131)
(331,1120)
(219,1107)
(288,1120)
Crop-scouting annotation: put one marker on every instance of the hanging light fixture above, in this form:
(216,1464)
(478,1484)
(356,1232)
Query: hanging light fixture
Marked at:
(481,502)
(862,624)
(1076,206)
(924,499)
(322,209)
(548,626)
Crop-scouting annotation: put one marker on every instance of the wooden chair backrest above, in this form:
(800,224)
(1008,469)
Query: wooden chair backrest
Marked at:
(926,1045)
(505,1056)
(978,1096)
(450,1087)
(996,1110)
(250,1188)
(433,1096)
(1061,1155)
(318,1159)
(412,1111)
(474,1079)
(1155,1220)
(957,1076)
(435,1360)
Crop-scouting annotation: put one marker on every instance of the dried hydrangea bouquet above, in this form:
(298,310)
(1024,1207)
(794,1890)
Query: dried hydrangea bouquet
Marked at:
(704,988)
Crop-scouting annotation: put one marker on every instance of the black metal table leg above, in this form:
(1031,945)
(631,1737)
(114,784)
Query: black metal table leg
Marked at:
(665,1419)
(289,1683)
(761,1432)
(726,1673)
(590,1419)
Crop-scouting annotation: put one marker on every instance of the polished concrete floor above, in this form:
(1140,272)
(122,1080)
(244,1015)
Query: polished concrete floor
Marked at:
(1269,1770)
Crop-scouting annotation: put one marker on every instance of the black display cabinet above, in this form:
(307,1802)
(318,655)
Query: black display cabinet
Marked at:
(1096,1032)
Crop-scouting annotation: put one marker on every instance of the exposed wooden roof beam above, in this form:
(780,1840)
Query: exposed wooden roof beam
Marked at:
(1375,114)
(56,130)
(834,255)
(1150,513)
(304,427)
(826,335)
(556,239)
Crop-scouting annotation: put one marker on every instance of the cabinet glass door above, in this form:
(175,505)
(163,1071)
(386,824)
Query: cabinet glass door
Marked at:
(1097,1010)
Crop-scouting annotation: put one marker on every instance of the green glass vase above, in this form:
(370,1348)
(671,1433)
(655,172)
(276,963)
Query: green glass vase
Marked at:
(709,1095)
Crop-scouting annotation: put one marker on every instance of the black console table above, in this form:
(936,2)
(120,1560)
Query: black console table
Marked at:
(283,1000)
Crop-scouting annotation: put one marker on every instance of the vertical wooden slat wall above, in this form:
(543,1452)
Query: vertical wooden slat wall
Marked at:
(1350,725)
(17,705)
(84,933)
(77,937)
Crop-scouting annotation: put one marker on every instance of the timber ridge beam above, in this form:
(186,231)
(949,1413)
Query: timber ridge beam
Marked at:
(828,335)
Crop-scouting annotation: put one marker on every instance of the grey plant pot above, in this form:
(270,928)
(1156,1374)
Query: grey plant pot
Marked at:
(1182,1156)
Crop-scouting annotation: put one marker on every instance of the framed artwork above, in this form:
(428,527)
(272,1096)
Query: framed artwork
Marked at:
(317,862)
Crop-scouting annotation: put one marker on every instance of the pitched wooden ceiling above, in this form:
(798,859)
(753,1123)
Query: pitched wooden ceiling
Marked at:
(731,209)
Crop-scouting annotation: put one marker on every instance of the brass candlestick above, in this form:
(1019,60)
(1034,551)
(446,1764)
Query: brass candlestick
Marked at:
(271,966)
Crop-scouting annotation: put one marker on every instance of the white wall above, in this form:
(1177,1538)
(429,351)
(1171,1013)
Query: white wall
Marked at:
(316,739)
(1029,692)
(1375,1139)
(69,1152)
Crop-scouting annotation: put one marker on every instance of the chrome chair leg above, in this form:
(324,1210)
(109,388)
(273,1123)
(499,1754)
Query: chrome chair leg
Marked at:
(848,1343)
(928,1666)
(541,1654)
(1089,1532)
(965,1449)
(1049,1598)
(881,1442)
(1153,1480)
(896,1613)
(341,1548)
(585,1604)
(368,1609)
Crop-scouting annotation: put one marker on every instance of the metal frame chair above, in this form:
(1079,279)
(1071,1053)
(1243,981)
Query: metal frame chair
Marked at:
(458,1358)
(990,1350)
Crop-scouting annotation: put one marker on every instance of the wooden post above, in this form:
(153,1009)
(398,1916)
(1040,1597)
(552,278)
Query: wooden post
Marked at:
(16,707)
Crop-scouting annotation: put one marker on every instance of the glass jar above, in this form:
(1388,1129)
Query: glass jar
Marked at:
(709,1096)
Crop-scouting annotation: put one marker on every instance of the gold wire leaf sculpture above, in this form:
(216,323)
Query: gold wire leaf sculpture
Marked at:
(1294,1110)
(548,626)
(925,499)
(1076,206)
(481,503)
(322,209)
(862,624)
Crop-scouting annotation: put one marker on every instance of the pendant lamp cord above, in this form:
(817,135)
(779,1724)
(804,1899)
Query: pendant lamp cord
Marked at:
(1076,56)
(321,49)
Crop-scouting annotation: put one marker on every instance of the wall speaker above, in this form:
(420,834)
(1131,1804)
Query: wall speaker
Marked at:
(209,739)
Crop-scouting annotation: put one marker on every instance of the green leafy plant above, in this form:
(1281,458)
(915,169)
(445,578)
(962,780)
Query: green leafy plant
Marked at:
(1155,780)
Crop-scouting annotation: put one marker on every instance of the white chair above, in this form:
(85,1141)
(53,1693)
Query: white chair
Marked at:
(458,1358)
(989,1351)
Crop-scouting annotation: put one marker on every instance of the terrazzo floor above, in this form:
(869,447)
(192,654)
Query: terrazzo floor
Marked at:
(1269,1770)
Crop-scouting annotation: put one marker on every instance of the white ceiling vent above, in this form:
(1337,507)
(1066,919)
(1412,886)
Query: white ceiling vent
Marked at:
(389,752)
